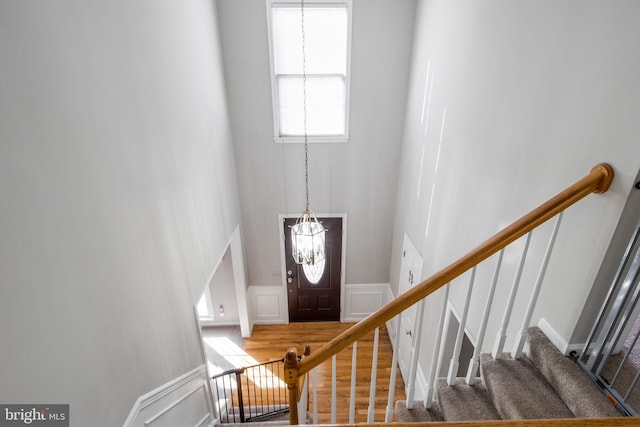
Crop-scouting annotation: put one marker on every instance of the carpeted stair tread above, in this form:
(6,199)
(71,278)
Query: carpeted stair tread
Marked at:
(573,386)
(418,413)
(519,391)
(461,402)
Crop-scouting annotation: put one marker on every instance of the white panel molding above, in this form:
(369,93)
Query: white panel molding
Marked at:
(204,421)
(186,400)
(363,299)
(174,404)
(268,305)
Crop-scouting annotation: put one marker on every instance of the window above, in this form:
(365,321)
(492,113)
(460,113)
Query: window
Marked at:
(326,63)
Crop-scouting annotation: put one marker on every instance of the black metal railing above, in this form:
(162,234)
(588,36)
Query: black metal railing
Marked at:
(251,393)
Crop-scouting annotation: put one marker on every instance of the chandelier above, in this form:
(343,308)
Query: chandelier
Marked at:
(307,235)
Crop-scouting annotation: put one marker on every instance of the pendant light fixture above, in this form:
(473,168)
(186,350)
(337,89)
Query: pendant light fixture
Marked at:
(307,235)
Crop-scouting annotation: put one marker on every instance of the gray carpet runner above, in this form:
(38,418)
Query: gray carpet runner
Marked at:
(477,403)
(584,399)
(519,390)
(544,384)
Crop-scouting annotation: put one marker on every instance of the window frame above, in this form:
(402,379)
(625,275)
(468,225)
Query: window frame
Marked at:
(278,137)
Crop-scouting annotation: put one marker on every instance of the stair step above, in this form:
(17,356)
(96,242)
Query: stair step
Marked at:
(461,402)
(418,413)
(257,415)
(519,391)
(256,424)
(573,386)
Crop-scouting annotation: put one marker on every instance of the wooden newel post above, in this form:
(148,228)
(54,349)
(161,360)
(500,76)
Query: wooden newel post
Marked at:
(291,378)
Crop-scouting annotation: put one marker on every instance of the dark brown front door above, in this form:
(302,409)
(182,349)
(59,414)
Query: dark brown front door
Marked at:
(317,302)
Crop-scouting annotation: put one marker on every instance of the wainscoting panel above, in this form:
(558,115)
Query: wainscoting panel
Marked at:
(185,401)
(268,305)
(363,299)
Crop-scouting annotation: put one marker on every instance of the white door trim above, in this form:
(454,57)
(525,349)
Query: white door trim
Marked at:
(410,274)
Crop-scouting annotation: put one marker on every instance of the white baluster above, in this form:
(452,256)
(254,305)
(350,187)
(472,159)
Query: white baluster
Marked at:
(475,359)
(352,397)
(374,376)
(415,354)
(394,369)
(428,400)
(522,336)
(333,389)
(455,359)
(303,404)
(502,333)
(315,397)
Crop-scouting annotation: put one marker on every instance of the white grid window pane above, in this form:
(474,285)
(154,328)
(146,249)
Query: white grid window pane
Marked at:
(325,40)
(325,105)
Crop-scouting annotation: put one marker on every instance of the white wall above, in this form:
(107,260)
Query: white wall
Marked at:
(535,94)
(118,197)
(358,178)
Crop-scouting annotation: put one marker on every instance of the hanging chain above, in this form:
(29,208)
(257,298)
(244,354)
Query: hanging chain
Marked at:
(304,109)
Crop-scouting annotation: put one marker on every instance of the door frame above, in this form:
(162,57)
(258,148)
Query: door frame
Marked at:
(283,264)
(411,262)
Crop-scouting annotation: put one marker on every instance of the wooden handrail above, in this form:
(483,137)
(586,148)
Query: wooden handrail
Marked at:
(597,181)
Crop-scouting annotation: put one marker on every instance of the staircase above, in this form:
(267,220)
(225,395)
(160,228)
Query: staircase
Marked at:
(537,388)
(539,385)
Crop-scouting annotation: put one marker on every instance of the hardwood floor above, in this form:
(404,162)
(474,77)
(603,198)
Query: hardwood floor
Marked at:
(272,341)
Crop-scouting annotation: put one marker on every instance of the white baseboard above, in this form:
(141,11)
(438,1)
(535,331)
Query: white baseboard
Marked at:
(207,323)
(558,340)
(269,303)
(363,299)
(185,400)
